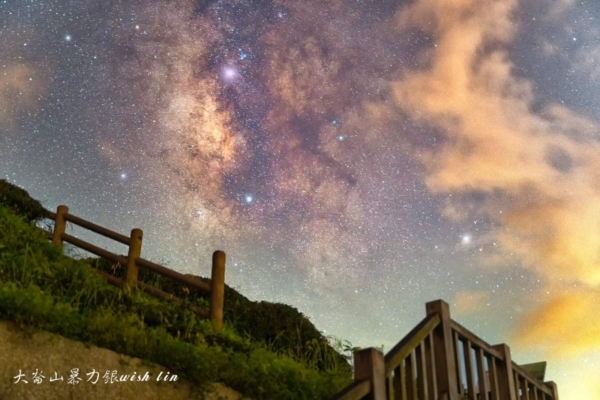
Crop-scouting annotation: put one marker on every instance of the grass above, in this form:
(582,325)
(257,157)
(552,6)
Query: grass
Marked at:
(40,287)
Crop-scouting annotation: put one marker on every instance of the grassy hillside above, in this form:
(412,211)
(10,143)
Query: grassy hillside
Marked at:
(265,351)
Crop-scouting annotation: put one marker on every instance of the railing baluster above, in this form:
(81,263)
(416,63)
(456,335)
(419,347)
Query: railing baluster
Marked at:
(400,382)
(410,377)
(482,382)
(421,372)
(389,390)
(430,357)
(525,388)
(493,371)
(459,377)
(469,370)
(534,393)
(518,386)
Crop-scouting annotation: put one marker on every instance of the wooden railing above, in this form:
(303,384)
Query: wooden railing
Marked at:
(133,261)
(441,360)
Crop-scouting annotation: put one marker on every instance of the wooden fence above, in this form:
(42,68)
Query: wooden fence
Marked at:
(441,360)
(133,261)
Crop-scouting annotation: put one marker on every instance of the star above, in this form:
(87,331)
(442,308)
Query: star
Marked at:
(229,73)
(248,199)
(68,38)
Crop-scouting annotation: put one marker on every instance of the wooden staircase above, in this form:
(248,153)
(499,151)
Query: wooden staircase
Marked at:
(441,360)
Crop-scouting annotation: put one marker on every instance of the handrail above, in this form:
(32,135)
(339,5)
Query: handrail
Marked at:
(356,391)
(169,273)
(475,340)
(399,352)
(94,249)
(97,228)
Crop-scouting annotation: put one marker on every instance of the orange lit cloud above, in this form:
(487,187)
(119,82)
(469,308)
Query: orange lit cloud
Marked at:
(553,324)
(469,302)
(21,82)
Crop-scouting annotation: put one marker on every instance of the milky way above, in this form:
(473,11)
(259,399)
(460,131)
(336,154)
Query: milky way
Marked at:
(353,159)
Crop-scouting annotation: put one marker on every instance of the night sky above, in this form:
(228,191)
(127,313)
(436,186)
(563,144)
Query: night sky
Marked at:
(354,159)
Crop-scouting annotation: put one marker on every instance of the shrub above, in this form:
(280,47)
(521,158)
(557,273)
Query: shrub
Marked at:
(281,327)
(20,202)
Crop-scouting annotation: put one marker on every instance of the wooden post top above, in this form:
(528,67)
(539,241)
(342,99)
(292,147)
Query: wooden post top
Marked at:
(369,365)
(554,389)
(219,257)
(438,307)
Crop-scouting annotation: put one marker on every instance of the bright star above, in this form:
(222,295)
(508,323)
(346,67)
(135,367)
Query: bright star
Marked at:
(68,38)
(340,138)
(123,175)
(249,198)
(466,239)
(229,73)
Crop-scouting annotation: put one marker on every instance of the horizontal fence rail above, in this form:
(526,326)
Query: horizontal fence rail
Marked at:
(441,360)
(133,260)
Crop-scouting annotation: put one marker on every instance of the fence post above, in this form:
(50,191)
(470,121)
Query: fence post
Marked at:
(370,365)
(443,345)
(135,251)
(60,224)
(506,377)
(554,389)
(217,290)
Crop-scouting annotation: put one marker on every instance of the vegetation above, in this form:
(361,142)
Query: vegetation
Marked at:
(280,327)
(265,351)
(19,201)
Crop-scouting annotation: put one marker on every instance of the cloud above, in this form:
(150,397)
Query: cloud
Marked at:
(469,302)
(553,323)
(22,81)
(541,170)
